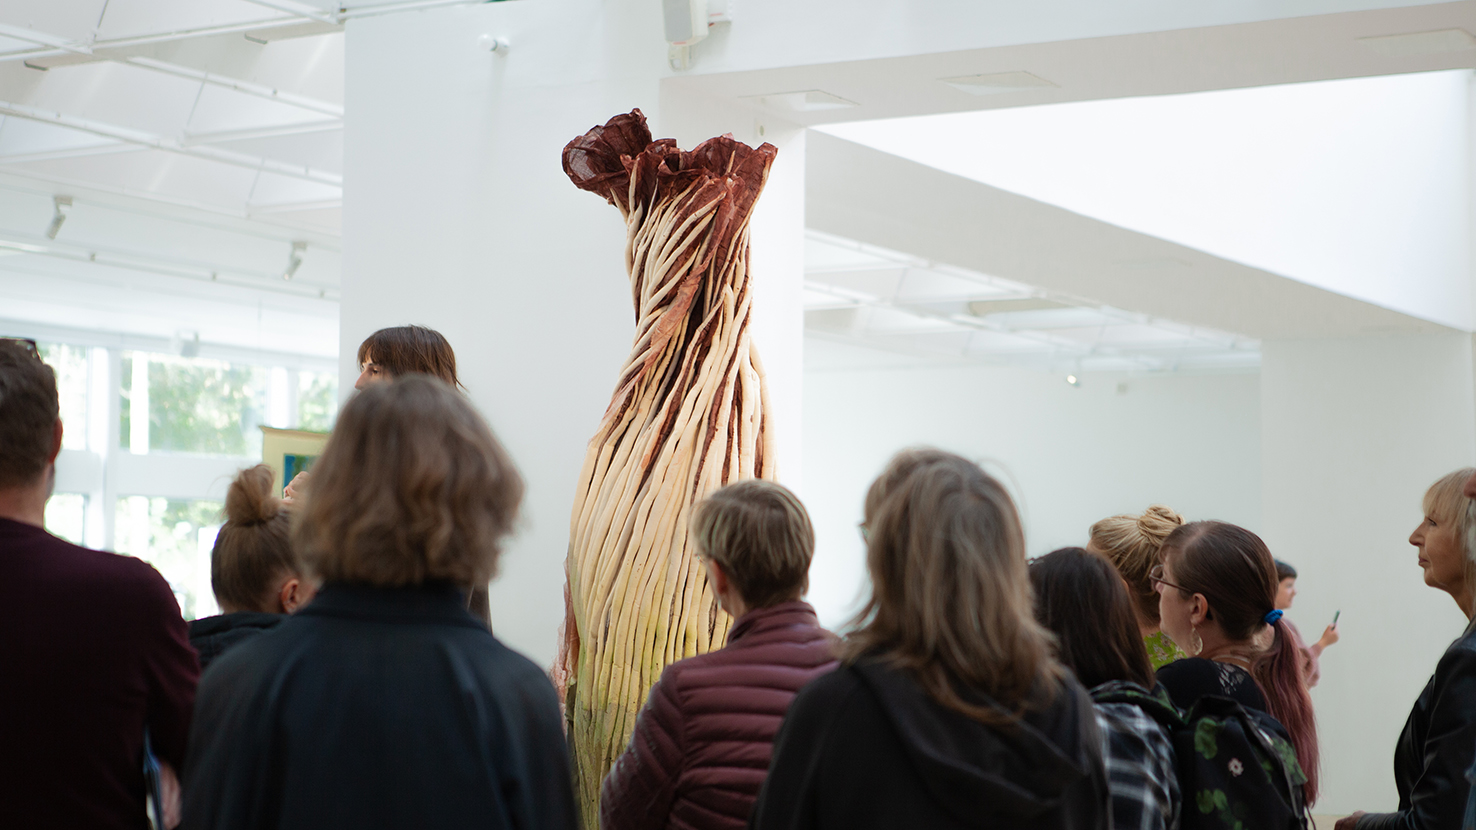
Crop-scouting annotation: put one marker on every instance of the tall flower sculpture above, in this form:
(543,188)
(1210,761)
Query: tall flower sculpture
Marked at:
(690,413)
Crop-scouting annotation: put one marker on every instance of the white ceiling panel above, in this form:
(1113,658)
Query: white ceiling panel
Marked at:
(891,302)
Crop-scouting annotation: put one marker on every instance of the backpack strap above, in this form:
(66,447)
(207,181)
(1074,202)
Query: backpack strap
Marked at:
(1156,706)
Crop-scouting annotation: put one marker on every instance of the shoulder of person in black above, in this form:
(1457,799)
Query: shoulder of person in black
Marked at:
(212,636)
(1192,678)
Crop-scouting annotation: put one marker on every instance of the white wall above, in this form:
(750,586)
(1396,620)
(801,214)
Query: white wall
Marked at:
(1071,455)
(457,215)
(1354,432)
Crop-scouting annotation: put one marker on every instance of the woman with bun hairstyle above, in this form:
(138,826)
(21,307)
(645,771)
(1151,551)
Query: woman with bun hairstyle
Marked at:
(948,709)
(1131,544)
(384,703)
(256,577)
(1217,595)
(1439,739)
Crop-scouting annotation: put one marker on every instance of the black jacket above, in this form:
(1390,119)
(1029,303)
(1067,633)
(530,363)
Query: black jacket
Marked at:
(377,708)
(864,746)
(211,636)
(1436,747)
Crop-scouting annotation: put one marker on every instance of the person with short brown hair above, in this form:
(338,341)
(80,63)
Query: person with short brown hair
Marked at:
(254,572)
(93,647)
(701,746)
(383,703)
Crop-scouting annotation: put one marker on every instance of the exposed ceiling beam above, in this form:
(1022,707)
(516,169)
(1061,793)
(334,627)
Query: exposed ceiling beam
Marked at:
(107,149)
(171,145)
(159,37)
(318,234)
(178,71)
(224,136)
(246,87)
(164,266)
(299,9)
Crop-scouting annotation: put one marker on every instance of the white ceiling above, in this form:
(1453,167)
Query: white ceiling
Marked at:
(1359,186)
(882,299)
(201,145)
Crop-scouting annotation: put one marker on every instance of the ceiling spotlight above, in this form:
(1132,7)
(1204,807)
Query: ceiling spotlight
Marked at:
(294,260)
(1073,380)
(62,205)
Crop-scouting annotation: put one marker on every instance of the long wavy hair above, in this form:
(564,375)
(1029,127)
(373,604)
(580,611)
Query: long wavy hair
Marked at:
(951,601)
(1235,572)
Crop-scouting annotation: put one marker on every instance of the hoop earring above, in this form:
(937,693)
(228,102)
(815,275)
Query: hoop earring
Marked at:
(1198,643)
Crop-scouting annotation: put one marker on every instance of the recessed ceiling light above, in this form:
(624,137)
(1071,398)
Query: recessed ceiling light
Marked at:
(1073,380)
(996,83)
(807,100)
(1421,43)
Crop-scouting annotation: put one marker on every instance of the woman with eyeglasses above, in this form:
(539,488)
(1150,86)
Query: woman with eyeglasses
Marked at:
(1216,597)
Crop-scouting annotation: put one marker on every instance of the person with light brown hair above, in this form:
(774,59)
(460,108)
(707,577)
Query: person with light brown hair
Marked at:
(702,743)
(948,710)
(384,703)
(1438,744)
(254,572)
(1132,544)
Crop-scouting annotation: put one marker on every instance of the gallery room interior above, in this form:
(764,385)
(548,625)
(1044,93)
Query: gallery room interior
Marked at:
(1215,256)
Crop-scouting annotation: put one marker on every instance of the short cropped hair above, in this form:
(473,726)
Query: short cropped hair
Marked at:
(761,535)
(1285,571)
(253,552)
(413,487)
(29,409)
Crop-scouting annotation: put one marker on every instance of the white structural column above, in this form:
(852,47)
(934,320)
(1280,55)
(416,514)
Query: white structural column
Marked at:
(458,216)
(1353,433)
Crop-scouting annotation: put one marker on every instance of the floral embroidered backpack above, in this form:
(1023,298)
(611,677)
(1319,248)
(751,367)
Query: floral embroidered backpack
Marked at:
(1237,769)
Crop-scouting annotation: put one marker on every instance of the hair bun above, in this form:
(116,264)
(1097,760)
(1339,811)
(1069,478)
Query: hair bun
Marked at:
(250,500)
(1158,521)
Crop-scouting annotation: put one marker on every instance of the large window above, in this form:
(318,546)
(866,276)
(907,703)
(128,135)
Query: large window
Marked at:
(153,439)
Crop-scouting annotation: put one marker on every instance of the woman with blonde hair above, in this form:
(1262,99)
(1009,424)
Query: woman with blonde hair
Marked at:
(384,703)
(1439,739)
(256,576)
(948,710)
(1132,544)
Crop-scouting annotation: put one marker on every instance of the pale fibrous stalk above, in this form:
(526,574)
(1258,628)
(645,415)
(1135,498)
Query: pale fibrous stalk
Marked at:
(689,415)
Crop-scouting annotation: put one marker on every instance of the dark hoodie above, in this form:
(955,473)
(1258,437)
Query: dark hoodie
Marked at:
(864,746)
(211,636)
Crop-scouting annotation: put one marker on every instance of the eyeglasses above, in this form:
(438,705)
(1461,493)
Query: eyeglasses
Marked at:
(1157,576)
(26,343)
(865,532)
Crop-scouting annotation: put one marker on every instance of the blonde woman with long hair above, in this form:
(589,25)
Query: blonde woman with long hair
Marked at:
(948,710)
(1134,546)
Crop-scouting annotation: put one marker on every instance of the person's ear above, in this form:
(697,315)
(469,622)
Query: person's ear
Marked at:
(56,442)
(720,580)
(289,596)
(1199,611)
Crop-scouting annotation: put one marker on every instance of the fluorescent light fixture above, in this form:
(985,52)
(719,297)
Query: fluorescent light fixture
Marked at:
(996,83)
(807,100)
(1421,43)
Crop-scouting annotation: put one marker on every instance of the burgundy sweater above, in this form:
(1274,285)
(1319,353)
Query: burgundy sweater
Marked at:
(702,744)
(92,648)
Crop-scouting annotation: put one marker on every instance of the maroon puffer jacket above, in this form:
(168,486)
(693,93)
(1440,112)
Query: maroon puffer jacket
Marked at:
(702,744)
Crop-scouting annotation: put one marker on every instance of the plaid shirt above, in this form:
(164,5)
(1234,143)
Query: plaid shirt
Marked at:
(1140,769)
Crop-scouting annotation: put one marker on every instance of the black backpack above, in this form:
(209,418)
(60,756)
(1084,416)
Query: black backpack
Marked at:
(1237,768)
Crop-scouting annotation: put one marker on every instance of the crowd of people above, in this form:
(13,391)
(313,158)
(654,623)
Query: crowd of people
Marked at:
(1146,680)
